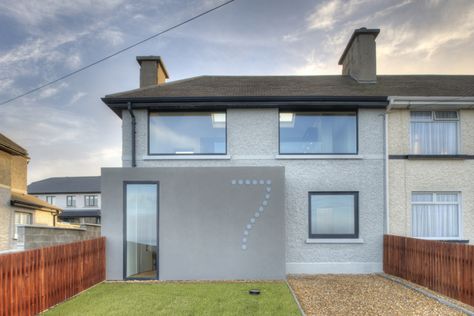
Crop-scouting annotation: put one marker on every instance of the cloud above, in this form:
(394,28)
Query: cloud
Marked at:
(76,97)
(37,12)
(112,36)
(325,15)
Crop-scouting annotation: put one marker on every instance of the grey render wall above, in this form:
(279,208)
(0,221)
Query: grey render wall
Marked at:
(252,139)
(203,214)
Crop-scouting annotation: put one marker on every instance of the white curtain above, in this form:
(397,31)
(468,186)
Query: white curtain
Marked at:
(436,220)
(433,137)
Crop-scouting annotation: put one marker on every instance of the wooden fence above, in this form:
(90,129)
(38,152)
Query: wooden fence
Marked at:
(34,280)
(443,267)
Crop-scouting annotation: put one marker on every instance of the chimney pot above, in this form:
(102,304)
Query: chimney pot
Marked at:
(152,71)
(359,58)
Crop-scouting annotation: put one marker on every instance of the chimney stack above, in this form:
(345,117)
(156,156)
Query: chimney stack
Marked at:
(152,71)
(359,59)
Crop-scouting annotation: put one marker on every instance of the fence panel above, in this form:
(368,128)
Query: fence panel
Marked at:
(443,267)
(34,280)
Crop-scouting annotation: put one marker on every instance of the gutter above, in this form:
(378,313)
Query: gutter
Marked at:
(387,192)
(134,123)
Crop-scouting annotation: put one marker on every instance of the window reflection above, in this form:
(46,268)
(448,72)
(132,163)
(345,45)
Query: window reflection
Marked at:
(187,133)
(318,133)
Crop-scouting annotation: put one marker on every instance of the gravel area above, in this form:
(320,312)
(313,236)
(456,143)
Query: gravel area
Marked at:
(362,295)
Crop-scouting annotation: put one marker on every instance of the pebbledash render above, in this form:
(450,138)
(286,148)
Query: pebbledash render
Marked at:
(254,177)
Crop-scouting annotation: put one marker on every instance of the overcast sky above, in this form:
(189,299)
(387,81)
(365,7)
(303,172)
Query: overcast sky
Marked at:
(67,129)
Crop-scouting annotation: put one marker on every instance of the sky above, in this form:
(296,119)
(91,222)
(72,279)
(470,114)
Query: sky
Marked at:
(68,131)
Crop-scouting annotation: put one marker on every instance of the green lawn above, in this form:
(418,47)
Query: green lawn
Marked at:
(170,298)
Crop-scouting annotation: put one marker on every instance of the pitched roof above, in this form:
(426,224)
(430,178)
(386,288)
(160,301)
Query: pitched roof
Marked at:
(6,144)
(274,86)
(66,185)
(29,201)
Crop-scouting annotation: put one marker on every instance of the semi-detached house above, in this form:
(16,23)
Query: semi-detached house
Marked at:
(256,177)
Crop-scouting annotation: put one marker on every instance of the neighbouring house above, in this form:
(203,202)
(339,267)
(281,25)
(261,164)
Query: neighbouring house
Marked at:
(431,161)
(255,177)
(79,197)
(16,206)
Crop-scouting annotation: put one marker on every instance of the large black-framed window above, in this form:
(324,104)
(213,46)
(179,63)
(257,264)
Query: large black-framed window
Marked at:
(318,133)
(333,214)
(187,133)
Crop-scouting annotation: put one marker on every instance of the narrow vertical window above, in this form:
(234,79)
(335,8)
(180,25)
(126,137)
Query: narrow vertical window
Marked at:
(141,231)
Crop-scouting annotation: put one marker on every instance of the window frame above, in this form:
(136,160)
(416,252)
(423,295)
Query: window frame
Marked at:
(434,193)
(149,112)
(15,228)
(73,200)
(433,119)
(96,199)
(355,194)
(53,198)
(356,112)
(124,227)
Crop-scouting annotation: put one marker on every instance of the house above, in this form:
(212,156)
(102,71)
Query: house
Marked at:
(16,206)
(255,177)
(431,166)
(79,197)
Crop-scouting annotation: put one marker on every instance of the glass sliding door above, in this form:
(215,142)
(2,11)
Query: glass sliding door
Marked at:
(141,230)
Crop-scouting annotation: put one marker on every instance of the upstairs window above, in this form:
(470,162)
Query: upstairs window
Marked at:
(434,132)
(187,133)
(90,200)
(71,201)
(50,199)
(318,133)
(436,215)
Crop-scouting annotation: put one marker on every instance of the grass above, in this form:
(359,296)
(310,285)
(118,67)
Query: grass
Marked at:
(174,298)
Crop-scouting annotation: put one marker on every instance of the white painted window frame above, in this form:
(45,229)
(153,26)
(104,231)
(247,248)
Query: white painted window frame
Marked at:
(434,193)
(458,129)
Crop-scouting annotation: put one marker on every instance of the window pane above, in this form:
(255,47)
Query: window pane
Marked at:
(446,115)
(433,221)
(141,230)
(434,137)
(188,133)
(422,197)
(421,116)
(332,214)
(22,219)
(318,133)
(447,197)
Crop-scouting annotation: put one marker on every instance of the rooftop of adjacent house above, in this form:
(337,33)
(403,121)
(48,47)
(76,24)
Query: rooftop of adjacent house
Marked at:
(281,86)
(65,185)
(30,201)
(9,146)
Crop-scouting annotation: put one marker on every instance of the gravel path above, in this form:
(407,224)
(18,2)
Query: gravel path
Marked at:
(362,295)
